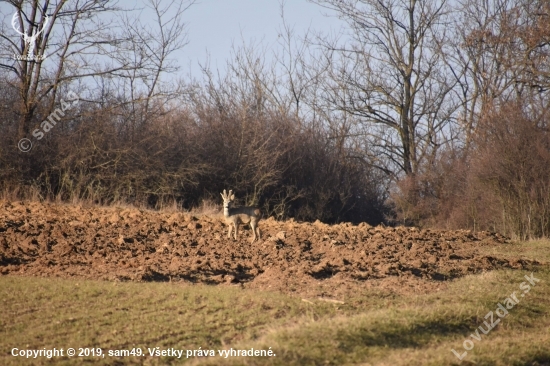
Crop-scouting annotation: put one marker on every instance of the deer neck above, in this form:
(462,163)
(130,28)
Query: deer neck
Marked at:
(226,211)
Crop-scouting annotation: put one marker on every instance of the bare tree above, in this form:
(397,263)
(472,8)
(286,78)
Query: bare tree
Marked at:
(526,32)
(61,43)
(387,75)
(499,54)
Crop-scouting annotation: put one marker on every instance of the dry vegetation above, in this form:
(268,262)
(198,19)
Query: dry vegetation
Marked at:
(76,276)
(428,113)
(125,244)
(397,167)
(372,326)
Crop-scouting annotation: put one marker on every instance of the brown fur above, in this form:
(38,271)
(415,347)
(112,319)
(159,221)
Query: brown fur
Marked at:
(234,216)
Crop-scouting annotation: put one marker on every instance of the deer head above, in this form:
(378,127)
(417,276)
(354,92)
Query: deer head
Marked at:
(227,198)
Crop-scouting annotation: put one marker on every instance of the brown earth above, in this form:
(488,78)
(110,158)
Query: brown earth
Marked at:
(312,259)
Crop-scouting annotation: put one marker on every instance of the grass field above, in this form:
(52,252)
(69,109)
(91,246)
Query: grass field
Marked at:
(370,328)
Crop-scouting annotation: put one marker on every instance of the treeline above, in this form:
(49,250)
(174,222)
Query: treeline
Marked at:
(427,113)
(502,183)
(181,156)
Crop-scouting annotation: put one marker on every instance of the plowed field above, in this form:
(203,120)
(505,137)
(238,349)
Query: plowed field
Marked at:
(128,244)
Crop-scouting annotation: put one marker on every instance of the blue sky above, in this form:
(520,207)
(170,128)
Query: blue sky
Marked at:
(214,25)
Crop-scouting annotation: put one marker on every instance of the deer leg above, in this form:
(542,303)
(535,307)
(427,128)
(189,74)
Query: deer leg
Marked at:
(230,228)
(236,228)
(253,227)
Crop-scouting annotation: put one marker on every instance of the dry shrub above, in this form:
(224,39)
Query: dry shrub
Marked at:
(502,185)
(430,197)
(178,158)
(512,167)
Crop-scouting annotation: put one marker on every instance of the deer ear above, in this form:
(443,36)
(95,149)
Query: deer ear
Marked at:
(232,197)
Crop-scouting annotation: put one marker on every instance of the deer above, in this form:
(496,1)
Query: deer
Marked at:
(237,215)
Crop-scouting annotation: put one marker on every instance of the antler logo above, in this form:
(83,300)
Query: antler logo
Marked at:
(29,40)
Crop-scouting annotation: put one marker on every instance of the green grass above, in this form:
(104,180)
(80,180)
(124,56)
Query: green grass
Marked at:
(38,313)
(422,330)
(533,249)
(372,328)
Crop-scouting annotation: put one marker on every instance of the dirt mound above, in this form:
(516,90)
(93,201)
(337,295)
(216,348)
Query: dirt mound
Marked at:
(129,244)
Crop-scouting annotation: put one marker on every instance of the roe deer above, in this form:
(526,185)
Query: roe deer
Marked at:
(237,215)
